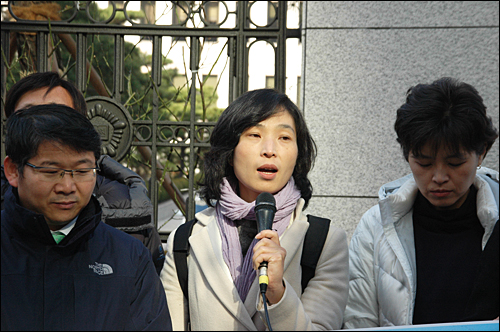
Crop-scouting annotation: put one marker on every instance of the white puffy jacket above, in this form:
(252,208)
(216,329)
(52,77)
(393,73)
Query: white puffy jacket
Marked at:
(382,265)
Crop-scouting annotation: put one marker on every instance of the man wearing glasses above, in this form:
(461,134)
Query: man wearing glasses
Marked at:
(121,192)
(62,268)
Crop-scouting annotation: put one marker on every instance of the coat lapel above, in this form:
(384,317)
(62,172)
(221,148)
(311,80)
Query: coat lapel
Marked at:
(219,276)
(293,239)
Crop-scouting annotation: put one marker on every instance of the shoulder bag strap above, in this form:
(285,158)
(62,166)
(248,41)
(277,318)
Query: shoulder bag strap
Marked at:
(181,251)
(314,242)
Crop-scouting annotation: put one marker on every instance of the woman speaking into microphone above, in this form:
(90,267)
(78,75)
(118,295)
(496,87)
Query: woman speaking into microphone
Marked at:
(260,144)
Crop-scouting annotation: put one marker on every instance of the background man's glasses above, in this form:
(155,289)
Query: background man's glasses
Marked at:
(54,174)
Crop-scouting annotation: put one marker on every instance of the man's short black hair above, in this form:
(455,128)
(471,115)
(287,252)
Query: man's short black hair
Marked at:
(446,113)
(26,129)
(37,81)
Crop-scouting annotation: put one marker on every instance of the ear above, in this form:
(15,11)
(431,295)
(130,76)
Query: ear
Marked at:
(11,172)
(481,157)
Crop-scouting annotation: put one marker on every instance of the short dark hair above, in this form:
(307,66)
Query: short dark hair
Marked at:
(42,80)
(26,129)
(247,111)
(446,112)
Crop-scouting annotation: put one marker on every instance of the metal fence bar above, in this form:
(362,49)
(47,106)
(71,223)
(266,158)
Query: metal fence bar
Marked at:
(280,51)
(149,30)
(193,66)
(156,80)
(118,68)
(81,46)
(41,55)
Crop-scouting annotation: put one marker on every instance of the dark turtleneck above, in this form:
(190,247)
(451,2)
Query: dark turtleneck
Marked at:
(247,229)
(448,250)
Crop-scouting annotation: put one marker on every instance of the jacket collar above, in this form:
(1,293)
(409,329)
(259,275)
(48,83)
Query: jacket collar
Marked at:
(397,198)
(33,225)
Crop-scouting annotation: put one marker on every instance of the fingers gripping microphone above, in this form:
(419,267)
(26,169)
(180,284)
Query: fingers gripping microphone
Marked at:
(265,208)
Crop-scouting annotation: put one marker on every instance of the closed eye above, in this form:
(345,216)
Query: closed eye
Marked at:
(83,171)
(48,171)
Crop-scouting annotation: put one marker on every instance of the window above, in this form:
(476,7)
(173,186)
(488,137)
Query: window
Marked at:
(269,82)
(272,22)
(210,81)
(211,12)
(211,15)
(180,12)
(149,10)
(180,15)
(179,81)
(271,14)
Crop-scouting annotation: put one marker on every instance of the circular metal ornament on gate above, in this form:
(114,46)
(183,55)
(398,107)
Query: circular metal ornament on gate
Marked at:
(113,123)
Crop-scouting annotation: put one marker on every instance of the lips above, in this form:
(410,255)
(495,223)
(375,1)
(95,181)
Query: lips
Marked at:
(268,171)
(441,193)
(268,168)
(65,205)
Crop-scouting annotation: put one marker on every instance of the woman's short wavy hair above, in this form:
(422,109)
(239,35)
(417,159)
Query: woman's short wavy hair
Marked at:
(247,111)
(445,113)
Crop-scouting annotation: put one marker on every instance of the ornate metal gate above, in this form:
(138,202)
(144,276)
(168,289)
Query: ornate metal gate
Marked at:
(114,109)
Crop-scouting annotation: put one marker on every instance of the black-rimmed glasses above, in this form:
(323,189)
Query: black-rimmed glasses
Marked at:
(54,174)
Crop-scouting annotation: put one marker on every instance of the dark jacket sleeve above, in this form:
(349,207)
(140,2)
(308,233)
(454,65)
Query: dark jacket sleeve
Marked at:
(5,185)
(126,206)
(152,241)
(120,184)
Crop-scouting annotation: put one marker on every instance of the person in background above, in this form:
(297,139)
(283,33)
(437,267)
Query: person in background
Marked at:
(62,268)
(121,192)
(260,144)
(428,252)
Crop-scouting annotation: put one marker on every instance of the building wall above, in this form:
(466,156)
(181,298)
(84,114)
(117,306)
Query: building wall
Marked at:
(359,59)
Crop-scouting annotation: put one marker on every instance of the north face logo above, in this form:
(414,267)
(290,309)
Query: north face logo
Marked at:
(101,269)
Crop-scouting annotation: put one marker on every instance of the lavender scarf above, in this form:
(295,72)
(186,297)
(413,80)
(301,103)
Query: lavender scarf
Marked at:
(231,207)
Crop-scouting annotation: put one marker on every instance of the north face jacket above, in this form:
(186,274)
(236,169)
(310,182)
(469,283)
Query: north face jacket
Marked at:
(382,264)
(125,205)
(96,278)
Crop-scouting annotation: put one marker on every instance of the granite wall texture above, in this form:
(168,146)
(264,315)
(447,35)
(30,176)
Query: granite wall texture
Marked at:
(359,59)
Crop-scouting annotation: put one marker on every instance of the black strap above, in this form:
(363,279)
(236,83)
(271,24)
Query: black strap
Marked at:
(314,242)
(313,246)
(181,251)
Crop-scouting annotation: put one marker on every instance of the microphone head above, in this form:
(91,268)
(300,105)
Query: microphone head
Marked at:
(265,208)
(265,200)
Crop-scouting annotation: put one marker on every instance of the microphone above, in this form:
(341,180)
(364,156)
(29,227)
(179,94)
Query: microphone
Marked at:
(265,208)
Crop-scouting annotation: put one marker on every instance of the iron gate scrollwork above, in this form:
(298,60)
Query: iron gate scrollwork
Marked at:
(113,123)
(151,131)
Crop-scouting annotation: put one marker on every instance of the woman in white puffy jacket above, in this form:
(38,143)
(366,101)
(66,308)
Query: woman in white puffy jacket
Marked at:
(428,252)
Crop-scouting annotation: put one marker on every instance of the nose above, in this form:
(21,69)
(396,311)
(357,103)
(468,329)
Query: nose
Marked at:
(268,148)
(66,184)
(440,175)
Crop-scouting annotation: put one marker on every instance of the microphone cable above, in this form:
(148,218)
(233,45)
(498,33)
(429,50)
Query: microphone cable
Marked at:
(263,288)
